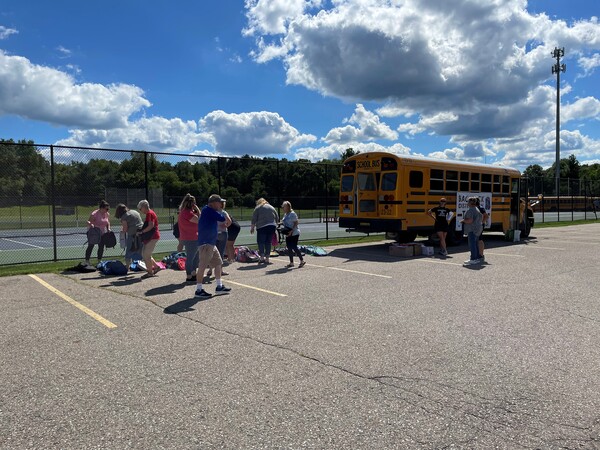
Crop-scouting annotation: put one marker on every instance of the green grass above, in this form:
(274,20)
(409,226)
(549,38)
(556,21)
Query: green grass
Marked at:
(60,266)
(563,224)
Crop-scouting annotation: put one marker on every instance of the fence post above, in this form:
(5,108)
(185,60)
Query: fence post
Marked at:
(146,174)
(326,204)
(53,196)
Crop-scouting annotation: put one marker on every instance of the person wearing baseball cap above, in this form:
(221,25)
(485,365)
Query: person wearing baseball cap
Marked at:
(208,255)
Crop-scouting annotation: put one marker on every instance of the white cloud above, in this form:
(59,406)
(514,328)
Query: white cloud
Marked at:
(255,133)
(273,16)
(589,63)
(334,151)
(583,108)
(6,32)
(474,71)
(369,128)
(154,134)
(64,52)
(42,93)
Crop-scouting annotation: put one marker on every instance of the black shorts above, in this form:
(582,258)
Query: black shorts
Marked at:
(233,231)
(441,227)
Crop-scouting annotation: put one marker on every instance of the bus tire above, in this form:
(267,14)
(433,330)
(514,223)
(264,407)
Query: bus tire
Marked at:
(527,230)
(454,237)
(406,236)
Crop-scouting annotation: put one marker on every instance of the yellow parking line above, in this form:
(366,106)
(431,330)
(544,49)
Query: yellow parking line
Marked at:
(78,305)
(256,288)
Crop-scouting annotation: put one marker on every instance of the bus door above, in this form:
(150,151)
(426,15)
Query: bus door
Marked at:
(365,194)
(514,203)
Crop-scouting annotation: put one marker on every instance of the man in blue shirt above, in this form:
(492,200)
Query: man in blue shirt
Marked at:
(208,255)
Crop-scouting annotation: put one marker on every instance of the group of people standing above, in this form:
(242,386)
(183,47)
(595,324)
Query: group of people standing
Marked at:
(207,235)
(473,224)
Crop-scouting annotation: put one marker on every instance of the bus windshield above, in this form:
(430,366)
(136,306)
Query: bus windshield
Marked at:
(347,183)
(366,182)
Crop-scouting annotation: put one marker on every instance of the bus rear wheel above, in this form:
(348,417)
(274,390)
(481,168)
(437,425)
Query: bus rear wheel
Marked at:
(454,237)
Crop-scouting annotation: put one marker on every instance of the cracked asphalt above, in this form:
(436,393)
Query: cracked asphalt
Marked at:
(356,350)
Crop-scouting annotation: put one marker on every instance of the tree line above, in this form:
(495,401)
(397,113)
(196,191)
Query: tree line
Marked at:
(26,175)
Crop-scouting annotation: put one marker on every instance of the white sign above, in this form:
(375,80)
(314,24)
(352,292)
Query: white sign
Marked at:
(462,204)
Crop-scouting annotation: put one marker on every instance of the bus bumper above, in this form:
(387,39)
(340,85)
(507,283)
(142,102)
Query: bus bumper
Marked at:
(370,225)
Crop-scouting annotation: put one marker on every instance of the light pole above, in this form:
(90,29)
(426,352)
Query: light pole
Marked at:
(557,69)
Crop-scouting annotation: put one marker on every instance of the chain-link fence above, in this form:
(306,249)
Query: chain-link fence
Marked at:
(567,199)
(48,192)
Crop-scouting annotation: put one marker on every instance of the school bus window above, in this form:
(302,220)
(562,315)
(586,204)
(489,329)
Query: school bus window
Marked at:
(366,182)
(486,182)
(496,184)
(515,186)
(451,180)
(388,181)
(474,182)
(347,183)
(505,185)
(436,180)
(464,181)
(415,179)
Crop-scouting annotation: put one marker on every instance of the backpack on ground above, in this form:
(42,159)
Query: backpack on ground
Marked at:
(245,254)
(313,250)
(172,261)
(112,267)
(109,239)
(94,236)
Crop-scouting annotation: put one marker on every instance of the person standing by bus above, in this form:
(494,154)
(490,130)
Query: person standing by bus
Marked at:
(440,215)
(484,219)
(472,227)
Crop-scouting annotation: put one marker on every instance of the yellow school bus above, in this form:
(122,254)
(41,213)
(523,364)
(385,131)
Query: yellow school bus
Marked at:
(383,192)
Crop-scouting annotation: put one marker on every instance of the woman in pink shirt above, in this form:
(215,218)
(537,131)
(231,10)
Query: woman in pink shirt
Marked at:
(99,218)
(188,234)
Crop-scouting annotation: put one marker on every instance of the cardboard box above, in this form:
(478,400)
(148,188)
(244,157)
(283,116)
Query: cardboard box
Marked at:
(404,251)
(416,249)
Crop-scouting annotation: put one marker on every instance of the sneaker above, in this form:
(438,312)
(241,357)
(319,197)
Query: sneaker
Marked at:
(223,273)
(301,263)
(470,262)
(201,293)
(482,259)
(209,273)
(222,290)
(290,265)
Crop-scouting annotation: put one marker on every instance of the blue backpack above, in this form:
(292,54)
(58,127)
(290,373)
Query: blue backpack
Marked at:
(112,267)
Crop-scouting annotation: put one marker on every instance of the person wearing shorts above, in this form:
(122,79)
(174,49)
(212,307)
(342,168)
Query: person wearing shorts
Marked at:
(440,215)
(208,255)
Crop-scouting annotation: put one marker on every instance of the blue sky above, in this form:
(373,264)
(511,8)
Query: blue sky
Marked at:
(467,80)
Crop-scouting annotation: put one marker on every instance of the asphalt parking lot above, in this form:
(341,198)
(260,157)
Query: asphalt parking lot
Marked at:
(355,350)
